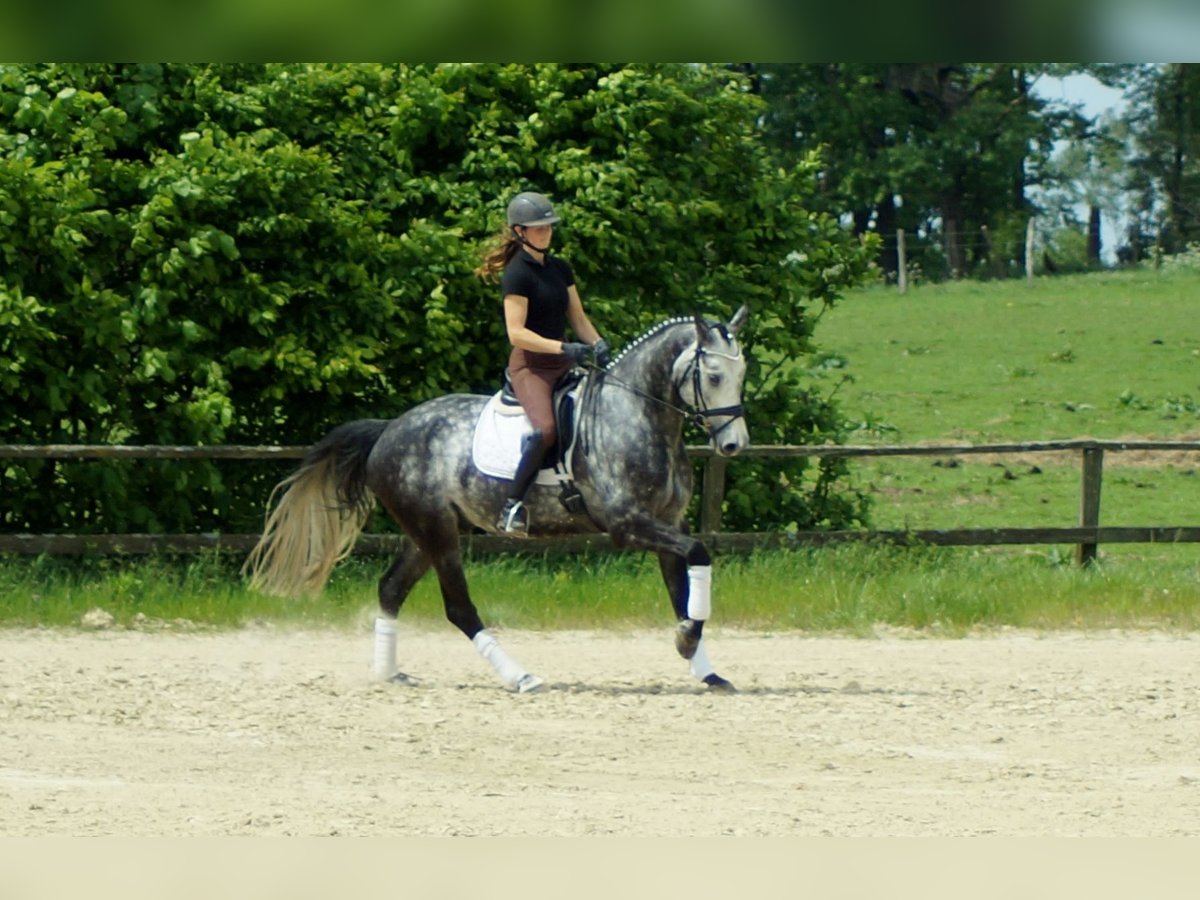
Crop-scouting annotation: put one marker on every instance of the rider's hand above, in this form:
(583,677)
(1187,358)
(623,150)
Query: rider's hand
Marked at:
(576,353)
(603,354)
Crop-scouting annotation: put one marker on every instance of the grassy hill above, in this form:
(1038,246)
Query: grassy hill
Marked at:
(1107,355)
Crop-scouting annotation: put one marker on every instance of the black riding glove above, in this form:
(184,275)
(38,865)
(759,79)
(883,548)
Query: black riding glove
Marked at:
(603,354)
(576,353)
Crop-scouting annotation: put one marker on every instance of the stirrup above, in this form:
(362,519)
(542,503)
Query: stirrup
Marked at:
(514,519)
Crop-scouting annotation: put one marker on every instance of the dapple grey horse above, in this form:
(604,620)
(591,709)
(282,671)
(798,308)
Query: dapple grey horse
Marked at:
(628,462)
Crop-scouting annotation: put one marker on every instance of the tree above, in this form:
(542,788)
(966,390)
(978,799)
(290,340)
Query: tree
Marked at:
(1164,117)
(846,111)
(941,150)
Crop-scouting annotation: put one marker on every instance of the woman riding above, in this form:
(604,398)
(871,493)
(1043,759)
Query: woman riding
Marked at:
(540,301)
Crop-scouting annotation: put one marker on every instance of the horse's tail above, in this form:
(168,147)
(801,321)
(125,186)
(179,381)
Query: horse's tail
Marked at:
(321,509)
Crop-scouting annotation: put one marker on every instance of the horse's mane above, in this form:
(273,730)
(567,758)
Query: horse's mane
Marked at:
(654,331)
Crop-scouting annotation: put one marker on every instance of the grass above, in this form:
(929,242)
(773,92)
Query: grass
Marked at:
(847,589)
(1108,355)
(852,589)
(1104,355)
(153,592)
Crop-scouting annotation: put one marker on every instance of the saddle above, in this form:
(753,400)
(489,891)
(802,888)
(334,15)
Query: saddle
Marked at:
(502,425)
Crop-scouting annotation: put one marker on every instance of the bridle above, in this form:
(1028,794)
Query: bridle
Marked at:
(702,412)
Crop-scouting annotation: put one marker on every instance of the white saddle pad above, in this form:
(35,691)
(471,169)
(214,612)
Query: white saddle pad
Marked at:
(497,446)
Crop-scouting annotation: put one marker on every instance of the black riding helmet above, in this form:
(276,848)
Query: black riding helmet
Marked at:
(529,209)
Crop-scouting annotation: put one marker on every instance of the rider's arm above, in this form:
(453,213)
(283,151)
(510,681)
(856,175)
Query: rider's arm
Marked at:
(516,308)
(578,319)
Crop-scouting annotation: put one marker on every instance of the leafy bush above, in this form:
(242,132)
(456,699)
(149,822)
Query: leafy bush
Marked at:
(1187,260)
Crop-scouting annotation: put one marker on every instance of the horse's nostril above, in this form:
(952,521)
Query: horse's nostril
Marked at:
(730,448)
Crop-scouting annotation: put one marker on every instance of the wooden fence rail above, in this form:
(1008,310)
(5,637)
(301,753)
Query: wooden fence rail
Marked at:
(1087,535)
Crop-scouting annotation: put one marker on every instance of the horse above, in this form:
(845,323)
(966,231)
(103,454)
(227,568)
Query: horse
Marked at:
(627,461)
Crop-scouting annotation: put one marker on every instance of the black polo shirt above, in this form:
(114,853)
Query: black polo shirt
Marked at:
(545,286)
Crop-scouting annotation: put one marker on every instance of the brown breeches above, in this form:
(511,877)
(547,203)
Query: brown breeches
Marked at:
(533,376)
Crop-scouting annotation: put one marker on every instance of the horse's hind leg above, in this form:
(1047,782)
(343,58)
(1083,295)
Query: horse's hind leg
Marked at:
(400,579)
(441,545)
(460,610)
(394,588)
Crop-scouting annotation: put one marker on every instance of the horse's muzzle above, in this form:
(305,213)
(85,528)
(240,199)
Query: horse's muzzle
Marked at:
(731,437)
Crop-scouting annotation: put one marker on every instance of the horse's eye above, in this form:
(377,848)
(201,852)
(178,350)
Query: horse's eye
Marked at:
(714,380)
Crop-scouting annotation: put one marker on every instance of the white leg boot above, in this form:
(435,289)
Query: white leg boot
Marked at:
(383,663)
(699,609)
(510,672)
(699,605)
(701,667)
(383,666)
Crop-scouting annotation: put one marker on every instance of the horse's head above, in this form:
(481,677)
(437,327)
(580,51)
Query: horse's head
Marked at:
(709,376)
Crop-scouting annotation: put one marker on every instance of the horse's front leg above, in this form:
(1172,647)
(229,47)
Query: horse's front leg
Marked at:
(687,571)
(690,590)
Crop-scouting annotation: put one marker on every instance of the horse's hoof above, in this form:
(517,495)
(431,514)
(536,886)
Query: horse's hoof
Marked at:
(716,683)
(528,684)
(687,638)
(404,680)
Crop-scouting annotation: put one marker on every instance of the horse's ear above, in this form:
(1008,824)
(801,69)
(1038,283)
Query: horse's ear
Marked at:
(702,328)
(739,319)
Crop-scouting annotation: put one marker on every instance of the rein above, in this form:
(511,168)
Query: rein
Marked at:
(698,416)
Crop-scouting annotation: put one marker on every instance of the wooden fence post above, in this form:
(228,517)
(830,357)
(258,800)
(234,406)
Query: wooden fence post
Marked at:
(713,494)
(1089,501)
(902,262)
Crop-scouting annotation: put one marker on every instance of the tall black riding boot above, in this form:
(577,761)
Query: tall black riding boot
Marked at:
(514,519)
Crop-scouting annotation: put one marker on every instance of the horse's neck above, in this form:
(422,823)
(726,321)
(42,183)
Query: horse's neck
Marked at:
(648,370)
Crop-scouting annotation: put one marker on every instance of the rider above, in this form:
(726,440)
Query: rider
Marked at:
(540,300)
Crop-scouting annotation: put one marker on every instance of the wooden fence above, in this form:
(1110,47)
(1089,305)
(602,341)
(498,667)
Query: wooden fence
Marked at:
(902,254)
(1086,535)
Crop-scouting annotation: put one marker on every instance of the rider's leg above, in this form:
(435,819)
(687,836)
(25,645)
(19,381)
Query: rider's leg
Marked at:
(535,389)
(515,518)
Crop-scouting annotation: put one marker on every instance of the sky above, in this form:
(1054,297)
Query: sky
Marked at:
(1095,97)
